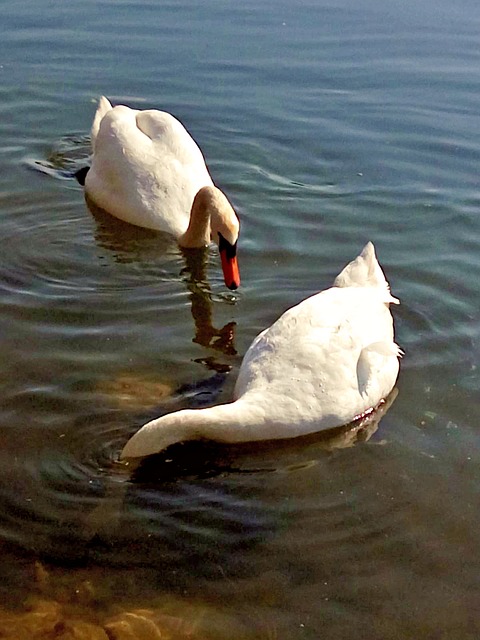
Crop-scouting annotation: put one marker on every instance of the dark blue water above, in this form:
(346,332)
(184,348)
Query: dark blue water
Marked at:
(327,124)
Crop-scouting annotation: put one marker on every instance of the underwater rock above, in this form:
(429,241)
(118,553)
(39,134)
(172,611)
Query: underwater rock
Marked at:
(134,393)
(46,619)
(133,625)
(147,624)
(78,630)
(74,607)
(41,618)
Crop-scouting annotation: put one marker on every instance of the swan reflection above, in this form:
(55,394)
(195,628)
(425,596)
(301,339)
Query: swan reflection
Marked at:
(130,244)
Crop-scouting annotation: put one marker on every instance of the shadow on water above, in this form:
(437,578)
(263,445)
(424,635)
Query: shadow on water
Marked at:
(198,506)
(208,458)
(186,512)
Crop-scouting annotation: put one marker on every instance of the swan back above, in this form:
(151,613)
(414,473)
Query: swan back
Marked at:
(329,358)
(146,168)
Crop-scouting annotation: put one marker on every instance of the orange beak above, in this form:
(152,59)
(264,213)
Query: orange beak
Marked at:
(231,274)
(228,255)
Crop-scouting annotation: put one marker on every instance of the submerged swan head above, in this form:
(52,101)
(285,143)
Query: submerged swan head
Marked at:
(213,218)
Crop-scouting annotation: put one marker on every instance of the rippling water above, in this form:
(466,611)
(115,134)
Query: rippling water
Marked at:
(327,124)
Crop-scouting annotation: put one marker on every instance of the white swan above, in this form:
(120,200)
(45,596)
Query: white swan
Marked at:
(322,364)
(147,170)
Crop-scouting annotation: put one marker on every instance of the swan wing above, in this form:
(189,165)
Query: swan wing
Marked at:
(372,362)
(326,360)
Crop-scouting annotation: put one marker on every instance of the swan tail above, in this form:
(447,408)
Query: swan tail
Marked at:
(231,422)
(103,107)
(365,271)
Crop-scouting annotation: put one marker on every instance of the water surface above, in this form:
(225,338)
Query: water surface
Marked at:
(327,124)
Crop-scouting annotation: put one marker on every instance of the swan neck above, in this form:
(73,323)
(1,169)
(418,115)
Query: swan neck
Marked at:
(198,232)
(223,423)
(229,423)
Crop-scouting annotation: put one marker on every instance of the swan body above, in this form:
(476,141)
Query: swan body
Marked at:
(147,170)
(322,364)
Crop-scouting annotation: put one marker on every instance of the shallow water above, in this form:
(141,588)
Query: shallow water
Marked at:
(327,125)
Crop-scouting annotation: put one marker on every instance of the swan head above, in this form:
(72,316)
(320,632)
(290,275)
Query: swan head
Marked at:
(224,229)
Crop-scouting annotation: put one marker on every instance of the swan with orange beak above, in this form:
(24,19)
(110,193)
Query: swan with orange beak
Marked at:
(147,170)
